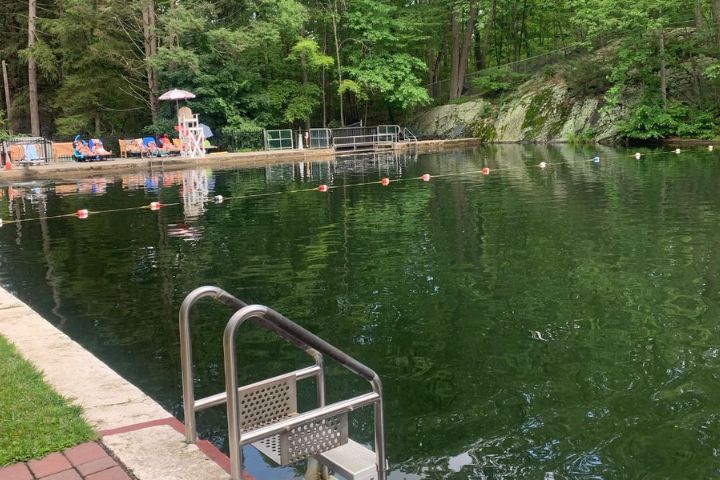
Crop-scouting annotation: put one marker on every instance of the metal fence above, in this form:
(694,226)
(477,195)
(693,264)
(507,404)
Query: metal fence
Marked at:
(278,139)
(26,150)
(319,138)
(241,141)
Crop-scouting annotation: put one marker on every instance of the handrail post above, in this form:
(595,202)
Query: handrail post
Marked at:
(186,357)
(379,430)
(231,388)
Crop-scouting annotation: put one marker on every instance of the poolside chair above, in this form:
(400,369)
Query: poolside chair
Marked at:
(151,145)
(133,146)
(97,148)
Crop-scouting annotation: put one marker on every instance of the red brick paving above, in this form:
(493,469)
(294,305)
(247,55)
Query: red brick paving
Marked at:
(88,461)
(19,471)
(53,463)
(115,473)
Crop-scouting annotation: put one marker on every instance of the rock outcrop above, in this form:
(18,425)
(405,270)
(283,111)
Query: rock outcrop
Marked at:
(540,111)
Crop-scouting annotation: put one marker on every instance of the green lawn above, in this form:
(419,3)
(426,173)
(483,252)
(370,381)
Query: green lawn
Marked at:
(34,420)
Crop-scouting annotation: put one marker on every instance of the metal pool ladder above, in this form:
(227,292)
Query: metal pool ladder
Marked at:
(265,414)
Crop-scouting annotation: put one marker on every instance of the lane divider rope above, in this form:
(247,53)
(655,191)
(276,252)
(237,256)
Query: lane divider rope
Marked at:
(83,214)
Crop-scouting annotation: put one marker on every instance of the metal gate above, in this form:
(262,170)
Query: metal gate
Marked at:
(278,139)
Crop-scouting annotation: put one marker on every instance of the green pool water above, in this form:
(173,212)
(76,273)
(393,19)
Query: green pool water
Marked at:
(533,323)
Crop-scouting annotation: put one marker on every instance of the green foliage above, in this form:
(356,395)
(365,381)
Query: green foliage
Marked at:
(272,62)
(4,134)
(583,137)
(496,81)
(292,100)
(160,127)
(35,419)
(648,121)
(588,77)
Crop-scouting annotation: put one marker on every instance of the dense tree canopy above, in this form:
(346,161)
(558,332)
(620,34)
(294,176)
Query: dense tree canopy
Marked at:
(98,66)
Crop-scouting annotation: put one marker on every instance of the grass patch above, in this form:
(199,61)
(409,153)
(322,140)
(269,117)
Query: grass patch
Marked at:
(34,420)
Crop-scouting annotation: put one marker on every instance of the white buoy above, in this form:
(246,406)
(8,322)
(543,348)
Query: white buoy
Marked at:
(155,205)
(218,199)
(543,164)
(711,148)
(678,151)
(638,156)
(0,222)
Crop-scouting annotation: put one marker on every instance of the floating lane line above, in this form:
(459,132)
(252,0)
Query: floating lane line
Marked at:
(83,214)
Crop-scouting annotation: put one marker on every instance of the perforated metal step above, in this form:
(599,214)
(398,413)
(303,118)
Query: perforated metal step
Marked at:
(314,436)
(352,460)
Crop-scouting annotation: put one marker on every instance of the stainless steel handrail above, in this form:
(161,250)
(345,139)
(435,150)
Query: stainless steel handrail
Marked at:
(190,405)
(300,334)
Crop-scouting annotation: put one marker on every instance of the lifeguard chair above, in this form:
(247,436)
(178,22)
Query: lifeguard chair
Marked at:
(192,138)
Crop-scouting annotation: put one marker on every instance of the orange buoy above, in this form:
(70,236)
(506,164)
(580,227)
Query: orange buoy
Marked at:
(155,205)
(323,188)
(425,177)
(385,182)
(82,214)
(485,171)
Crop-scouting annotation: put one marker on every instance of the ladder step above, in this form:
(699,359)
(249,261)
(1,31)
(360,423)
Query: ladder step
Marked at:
(270,447)
(352,460)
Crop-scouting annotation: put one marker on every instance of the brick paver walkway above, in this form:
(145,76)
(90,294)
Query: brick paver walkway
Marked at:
(88,461)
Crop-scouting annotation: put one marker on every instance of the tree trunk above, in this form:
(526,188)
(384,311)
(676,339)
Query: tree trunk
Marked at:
(699,19)
(484,46)
(455,55)
(150,42)
(663,71)
(8,101)
(32,71)
(465,52)
(322,79)
(716,16)
(339,66)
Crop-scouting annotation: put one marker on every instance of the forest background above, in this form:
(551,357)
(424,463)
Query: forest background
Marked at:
(98,66)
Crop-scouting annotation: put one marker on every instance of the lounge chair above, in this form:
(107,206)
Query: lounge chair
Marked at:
(133,146)
(152,148)
(98,149)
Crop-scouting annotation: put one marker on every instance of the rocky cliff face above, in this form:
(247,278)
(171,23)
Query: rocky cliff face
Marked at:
(540,111)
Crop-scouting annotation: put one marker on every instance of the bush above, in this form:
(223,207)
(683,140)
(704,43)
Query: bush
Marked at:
(496,81)
(587,78)
(651,122)
(161,126)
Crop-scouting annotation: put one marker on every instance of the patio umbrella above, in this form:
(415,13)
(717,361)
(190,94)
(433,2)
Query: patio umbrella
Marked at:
(176,95)
(207,133)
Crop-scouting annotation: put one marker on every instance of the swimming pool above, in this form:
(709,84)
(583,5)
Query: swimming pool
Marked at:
(556,322)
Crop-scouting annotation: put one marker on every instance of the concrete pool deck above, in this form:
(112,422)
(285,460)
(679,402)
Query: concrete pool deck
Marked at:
(74,170)
(135,429)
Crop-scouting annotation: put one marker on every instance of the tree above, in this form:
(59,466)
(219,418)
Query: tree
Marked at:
(32,70)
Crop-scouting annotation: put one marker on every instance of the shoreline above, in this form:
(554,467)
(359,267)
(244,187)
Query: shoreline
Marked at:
(144,436)
(75,170)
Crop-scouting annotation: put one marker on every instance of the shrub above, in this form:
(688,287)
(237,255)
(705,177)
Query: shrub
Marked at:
(587,77)
(496,81)
(648,121)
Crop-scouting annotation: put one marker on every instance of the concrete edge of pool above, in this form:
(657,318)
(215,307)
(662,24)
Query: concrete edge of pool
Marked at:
(68,170)
(140,433)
